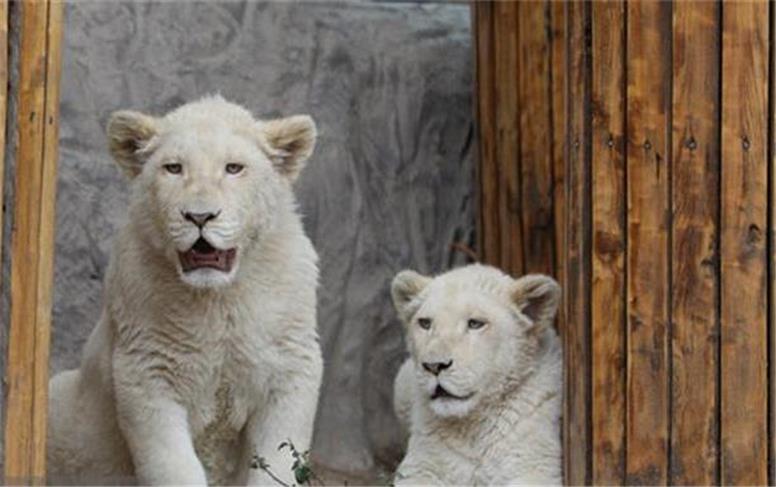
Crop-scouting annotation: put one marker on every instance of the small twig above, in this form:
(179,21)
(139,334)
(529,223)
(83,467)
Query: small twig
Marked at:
(259,462)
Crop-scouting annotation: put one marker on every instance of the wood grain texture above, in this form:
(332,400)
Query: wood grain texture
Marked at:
(695,183)
(557,40)
(32,244)
(3,109)
(648,281)
(744,142)
(608,233)
(576,333)
(772,264)
(505,31)
(489,183)
(535,207)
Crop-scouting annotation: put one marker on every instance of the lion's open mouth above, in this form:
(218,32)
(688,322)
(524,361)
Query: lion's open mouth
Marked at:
(202,255)
(442,393)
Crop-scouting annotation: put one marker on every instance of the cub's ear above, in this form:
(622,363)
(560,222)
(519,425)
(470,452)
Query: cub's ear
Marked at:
(128,135)
(537,296)
(404,288)
(291,141)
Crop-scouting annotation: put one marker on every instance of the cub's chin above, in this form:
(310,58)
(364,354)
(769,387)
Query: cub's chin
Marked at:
(207,278)
(205,266)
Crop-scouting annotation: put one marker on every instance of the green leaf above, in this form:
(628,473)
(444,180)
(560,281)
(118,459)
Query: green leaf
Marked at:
(302,474)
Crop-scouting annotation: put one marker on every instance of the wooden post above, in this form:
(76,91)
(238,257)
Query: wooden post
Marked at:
(743,220)
(32,241)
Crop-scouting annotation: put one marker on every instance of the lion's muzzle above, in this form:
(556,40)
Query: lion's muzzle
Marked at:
(203,255)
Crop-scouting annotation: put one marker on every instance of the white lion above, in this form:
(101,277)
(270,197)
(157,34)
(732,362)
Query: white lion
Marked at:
(206,353)
(481,392)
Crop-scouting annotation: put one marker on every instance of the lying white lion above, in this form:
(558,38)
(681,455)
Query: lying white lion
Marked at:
(481,391)
(207,351)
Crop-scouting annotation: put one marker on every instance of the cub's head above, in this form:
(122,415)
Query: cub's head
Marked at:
(472,332)
(208,181)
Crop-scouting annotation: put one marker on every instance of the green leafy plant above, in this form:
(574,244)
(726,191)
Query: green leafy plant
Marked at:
(302,468)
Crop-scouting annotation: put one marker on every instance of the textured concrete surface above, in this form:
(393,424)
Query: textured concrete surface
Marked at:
(390,185)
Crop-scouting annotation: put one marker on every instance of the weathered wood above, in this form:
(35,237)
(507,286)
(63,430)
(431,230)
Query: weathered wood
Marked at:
(536,166)
(557,40)
(743,414)
(3,106)
(663,255)
(576,333)
(32,243)
(695,183)
(608,233)
(648,280)
(505,30)
(772,266)
(489,185)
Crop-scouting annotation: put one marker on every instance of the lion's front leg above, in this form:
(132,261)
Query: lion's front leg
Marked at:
(157,433)
(289,415)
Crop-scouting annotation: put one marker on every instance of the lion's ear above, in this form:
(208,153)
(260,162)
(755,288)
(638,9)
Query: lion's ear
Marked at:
(128,135)
(291,141)
(537,296)
(404,288)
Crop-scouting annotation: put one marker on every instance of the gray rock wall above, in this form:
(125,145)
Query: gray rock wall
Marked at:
(390,186)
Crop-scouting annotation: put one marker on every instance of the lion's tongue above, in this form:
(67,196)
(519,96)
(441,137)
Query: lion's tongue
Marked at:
(202,254)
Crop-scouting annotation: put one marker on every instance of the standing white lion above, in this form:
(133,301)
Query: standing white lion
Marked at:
(206,352)
(481,392)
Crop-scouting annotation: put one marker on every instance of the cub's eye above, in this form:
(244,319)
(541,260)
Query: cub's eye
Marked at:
(234,168)
(424,323)
(173,168)
(475,324)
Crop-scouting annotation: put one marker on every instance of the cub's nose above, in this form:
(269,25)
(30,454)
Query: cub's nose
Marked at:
(200,219)
(437,367)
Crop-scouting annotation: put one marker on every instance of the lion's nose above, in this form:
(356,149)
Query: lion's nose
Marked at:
(437,367)
(200,219)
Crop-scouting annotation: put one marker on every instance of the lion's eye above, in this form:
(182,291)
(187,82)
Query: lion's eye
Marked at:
(234,168)
(173,168)
(475,324)
(424,323)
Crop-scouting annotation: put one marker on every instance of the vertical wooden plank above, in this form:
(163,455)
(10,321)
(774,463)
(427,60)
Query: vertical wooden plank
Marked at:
(772,246)
(576,431)
(608,260)
(557,40)
(536,174)
(507,148)
(648,284)
(489,224)
(743,220)
(32,243)
(772,254)
(695,183)
(3,104)
(47,237)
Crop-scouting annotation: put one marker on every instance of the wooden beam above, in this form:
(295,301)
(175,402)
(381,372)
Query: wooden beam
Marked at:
(507,110)
(695,184)
(3,105)
(488,171)
(648,121)
(557,55)
(32,242)
(534,207)
(576,333)
(608,259)
(743,355)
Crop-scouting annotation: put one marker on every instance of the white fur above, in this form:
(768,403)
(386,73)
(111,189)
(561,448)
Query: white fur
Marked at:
(186,375)
(505,428)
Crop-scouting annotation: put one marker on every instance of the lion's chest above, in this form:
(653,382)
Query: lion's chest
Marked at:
(221,384)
